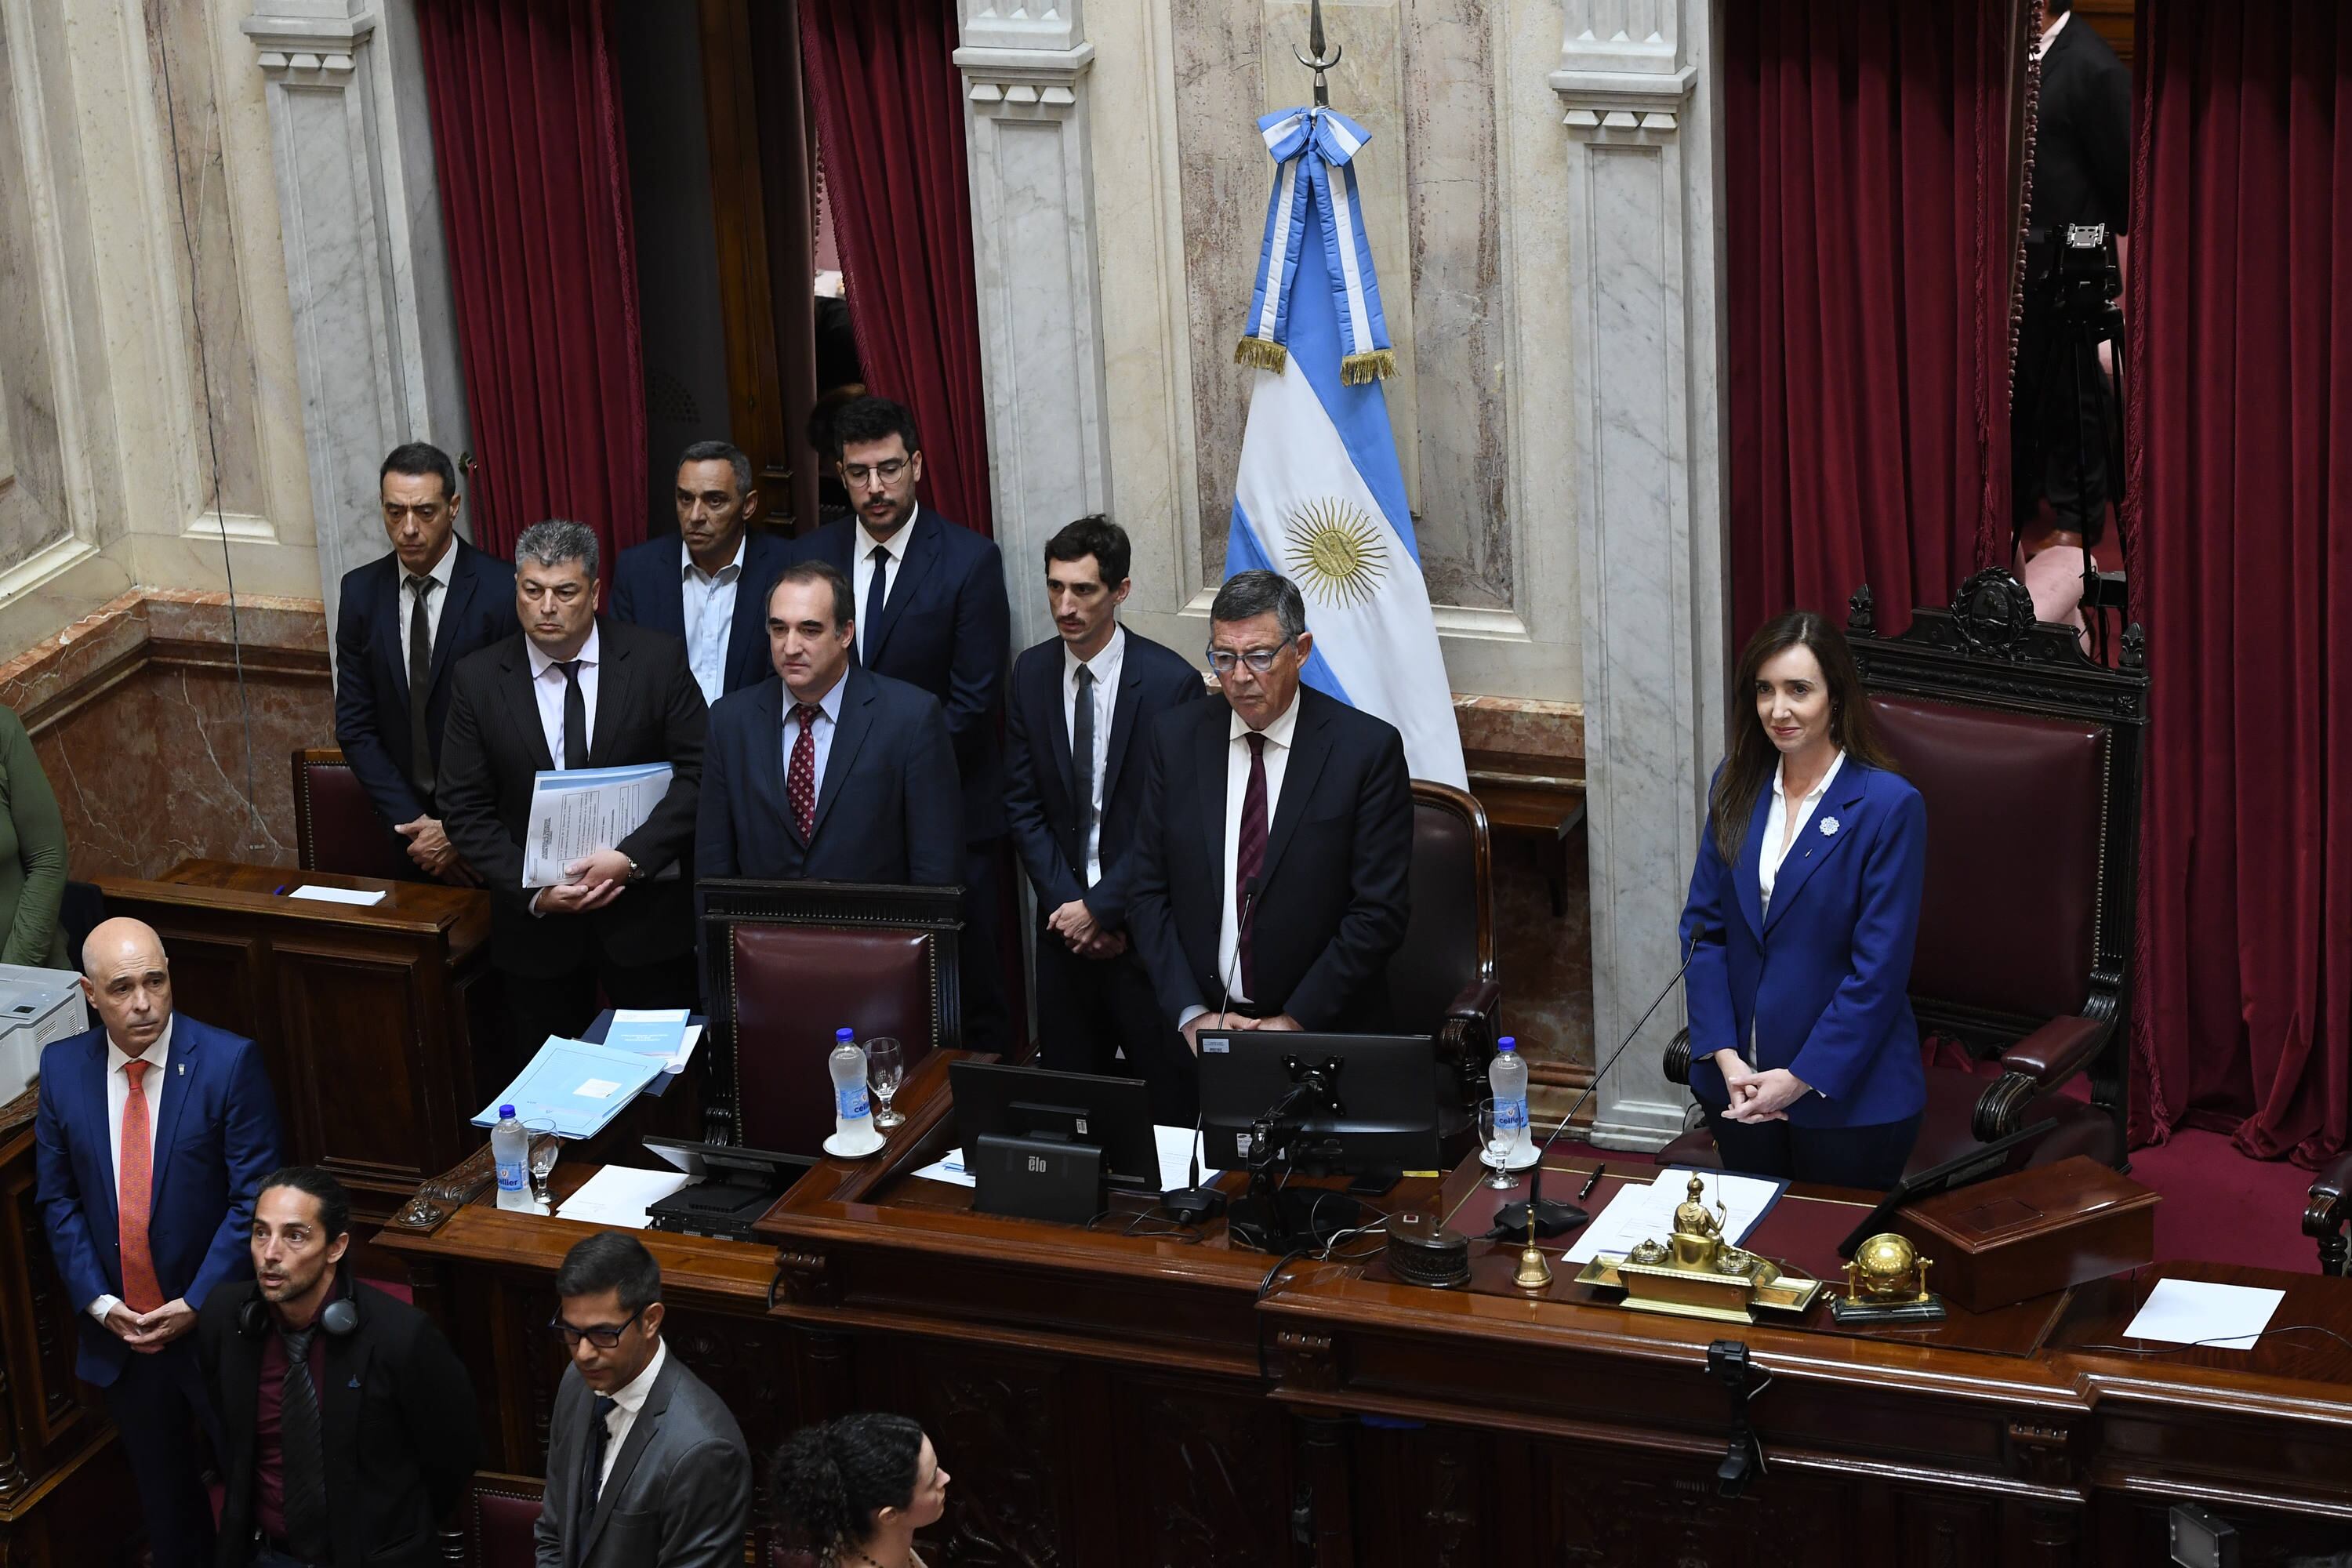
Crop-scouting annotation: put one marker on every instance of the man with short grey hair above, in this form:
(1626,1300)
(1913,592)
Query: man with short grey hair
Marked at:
(567,691)
(708,586)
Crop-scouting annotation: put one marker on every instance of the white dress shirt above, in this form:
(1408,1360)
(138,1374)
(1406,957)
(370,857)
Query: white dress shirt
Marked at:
(828,720)
(710,617)
(1105,665)
(1237,772)
(546,685)
(1778,837)
(433,599)
(627,1400)
(118,1095)
(861,570)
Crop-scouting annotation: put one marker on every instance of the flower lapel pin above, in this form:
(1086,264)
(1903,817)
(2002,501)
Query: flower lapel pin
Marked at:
(1829,826)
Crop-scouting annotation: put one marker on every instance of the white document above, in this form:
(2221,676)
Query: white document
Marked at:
(619,1196)
(2192,1311)
(1638,1214)
(337,895)
(574,812)
(596,1089)
(1175,1163)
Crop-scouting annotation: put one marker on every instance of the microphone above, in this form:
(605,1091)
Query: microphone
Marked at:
(1241,935)
(1193,1204)
(1551,1216)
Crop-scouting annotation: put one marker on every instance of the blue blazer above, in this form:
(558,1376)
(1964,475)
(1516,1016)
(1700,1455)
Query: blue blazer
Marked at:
(371,679)
(1039,796)
(888,809)
(1823,978)
(649,590)
(947,628)
(216,1138)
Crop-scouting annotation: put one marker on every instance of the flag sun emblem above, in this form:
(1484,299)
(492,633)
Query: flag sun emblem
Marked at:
(1335,553)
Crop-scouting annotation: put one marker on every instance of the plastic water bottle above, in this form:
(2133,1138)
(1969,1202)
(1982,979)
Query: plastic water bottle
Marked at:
(1507,1076)
(511,1150)
(852,1117)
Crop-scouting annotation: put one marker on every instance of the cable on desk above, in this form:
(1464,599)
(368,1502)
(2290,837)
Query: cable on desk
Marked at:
(2226,1342)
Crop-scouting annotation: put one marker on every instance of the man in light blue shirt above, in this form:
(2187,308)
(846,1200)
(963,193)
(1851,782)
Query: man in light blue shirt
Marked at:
(708,585)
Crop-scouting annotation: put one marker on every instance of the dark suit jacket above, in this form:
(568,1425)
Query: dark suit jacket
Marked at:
(648,710)
(216,1138)
(888,809)
(947,628)
(372,677)
(397,1412)
(2082,156)
(1335,888)
(1039,796)
(680,1494)
(649,590)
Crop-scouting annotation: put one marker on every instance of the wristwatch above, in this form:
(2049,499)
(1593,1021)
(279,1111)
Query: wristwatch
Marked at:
(634,873)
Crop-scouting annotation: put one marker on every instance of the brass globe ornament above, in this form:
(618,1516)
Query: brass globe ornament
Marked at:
(1887,1282)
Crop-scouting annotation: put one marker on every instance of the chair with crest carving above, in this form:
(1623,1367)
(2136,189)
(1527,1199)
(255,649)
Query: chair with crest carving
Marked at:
(2029,758)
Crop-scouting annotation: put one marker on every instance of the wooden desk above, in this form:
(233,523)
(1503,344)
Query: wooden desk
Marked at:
(1109,1399)
(1528,796)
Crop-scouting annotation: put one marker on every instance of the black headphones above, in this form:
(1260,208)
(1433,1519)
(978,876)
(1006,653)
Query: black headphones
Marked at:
(340,1318)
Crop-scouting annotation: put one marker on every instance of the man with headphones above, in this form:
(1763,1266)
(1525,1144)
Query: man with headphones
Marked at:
(347,1421)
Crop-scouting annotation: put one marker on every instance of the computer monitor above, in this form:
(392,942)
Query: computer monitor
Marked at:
(1385,1087)
(1114,1114)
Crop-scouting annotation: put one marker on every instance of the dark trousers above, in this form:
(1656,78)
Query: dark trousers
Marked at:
(159,1405)
(987,1021)
(541,1005)
(1870,1157)
(1089,1009)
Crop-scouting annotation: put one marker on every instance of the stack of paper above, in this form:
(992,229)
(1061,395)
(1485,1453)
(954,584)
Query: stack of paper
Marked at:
(574,812)
(617,1197)
(577,1085)
(660,1031)
(338,895)
(1638,1214)
(2199,1313)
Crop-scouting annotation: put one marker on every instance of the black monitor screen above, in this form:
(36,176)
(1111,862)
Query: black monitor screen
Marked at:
(1114,1114)
(1386,1086)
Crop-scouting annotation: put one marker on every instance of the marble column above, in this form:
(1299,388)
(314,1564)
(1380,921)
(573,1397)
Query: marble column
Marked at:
(374,320)
(1637,85)
(1027,131)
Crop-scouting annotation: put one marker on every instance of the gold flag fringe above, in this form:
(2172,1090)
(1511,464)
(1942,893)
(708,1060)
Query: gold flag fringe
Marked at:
(1358,369)
(1264,353)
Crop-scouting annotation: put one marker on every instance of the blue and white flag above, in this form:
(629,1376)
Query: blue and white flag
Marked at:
(1319,496)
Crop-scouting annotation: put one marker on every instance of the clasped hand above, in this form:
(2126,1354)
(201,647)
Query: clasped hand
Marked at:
(588,884)
(148,1333)
(1758,1096)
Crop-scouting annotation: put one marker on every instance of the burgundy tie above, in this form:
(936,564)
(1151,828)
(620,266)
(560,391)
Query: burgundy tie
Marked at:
(1249,860)
(800,779)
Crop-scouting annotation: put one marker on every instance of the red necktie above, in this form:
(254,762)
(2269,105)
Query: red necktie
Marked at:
(800,779)
(1249,860)
(134,1192)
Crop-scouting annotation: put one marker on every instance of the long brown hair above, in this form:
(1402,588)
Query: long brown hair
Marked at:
(1748,766)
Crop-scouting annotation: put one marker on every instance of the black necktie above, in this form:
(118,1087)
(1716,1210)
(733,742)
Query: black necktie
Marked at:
(592,1478)
(420,689)
(875,591)
(1082,761)
(301,1453)
(576,717)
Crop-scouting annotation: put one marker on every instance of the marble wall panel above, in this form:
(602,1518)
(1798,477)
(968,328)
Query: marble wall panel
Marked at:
(33,509)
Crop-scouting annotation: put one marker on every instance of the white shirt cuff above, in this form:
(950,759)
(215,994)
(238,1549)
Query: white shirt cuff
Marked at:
(1190,1013)
(537,913)
(104,1305)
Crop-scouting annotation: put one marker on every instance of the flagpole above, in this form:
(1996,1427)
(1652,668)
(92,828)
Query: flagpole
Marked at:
(1318,64)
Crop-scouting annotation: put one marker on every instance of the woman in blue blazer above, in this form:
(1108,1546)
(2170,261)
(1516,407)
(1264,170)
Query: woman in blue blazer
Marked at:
(1803,910)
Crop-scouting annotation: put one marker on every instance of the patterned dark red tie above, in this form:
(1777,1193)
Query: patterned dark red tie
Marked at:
(1249,861)
(800,779)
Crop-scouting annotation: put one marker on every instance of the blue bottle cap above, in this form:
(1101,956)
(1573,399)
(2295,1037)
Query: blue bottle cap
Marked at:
(505,1111)
(846,1036)
(1507,1044)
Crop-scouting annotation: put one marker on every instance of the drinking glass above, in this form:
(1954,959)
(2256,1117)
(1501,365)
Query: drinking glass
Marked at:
(1496,1145)
(885,1070)
(545,1146)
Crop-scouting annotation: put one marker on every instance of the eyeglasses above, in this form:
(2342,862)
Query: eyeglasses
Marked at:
(857,475)
(1259,659)
(604,1338)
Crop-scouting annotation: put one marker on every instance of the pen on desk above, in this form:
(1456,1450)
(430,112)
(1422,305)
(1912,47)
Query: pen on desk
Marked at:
(281,890)
(1591,1182)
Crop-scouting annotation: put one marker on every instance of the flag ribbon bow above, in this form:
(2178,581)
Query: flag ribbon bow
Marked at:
(1314,151)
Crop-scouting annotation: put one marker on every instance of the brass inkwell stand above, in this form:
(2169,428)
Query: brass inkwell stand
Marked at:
(1694,1273)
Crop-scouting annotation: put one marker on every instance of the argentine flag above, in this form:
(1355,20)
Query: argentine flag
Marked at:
(1319,496)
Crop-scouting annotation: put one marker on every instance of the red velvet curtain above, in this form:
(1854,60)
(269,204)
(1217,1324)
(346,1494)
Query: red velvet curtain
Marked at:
(1867,226)
(528,137)
(889,116)
(2240,459)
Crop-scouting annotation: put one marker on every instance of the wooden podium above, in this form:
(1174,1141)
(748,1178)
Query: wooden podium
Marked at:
(377,1021)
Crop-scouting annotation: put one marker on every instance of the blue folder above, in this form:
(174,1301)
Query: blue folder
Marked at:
(576,1084)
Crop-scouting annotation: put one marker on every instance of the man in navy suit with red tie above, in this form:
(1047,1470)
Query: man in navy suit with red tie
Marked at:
(152,1137)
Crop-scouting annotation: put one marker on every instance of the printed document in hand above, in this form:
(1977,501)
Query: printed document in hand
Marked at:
(578,1085)
(1638,1214)
(575,812)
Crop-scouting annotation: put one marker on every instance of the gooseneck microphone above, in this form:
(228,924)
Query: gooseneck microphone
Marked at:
(1551,1216)
(1193,1203)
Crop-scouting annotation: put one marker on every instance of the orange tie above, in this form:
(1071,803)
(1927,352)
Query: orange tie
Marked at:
(134,1192)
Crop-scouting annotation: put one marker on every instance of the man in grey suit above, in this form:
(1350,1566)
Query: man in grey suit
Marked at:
(645,1469)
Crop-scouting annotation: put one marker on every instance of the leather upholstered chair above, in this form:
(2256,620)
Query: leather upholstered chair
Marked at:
(1442,980)
(335,824)
(2327,1213)
(2029,758)
(786,964)
(494,1525)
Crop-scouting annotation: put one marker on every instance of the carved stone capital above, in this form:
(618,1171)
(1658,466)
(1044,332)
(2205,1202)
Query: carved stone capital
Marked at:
(309,50)
(1024,84)
(1633,105)
(1025,26)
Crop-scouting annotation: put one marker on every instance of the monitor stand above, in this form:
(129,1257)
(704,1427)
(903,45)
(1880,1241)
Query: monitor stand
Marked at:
(1274,1219)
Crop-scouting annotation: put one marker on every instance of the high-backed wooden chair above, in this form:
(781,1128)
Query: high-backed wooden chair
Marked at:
(335,824)
(786,964)
(495,1524)
(1443,979)
(2029,758)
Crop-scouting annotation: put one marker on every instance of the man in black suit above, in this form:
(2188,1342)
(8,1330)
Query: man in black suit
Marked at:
(1276,847)
(825,770)
(707,587)
(404,620)
(572,692)
(348,1423)
(1078,700)
(932,612)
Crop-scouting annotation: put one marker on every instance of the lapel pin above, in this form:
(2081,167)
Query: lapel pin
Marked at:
(1828,826)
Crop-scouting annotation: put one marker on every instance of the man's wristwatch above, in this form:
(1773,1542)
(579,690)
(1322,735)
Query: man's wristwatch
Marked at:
(634,873)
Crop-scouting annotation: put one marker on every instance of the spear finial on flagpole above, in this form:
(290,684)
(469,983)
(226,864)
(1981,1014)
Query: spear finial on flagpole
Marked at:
(1318,64)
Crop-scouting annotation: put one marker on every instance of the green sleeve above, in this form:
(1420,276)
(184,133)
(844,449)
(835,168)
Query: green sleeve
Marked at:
(40,844)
